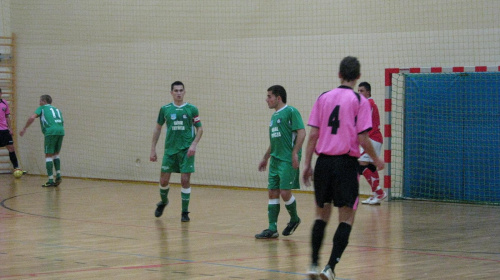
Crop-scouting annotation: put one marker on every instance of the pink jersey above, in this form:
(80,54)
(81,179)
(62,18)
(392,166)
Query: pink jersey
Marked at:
(340,115)
(3,116)
(375,133)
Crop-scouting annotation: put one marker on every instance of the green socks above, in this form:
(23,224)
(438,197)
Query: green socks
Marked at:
(164,193)
(273,211)
(57,165)
(185,196)
(49,165)
(291,207)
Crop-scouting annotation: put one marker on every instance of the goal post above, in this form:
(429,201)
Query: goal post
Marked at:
(442,134)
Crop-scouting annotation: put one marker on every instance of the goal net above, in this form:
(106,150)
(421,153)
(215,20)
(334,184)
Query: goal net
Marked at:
(443,134)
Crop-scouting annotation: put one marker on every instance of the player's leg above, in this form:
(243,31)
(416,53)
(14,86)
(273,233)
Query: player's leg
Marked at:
(346,199)
(364,169)
(378,193)
(340,240)
(164,186)
(273,211)
(369,171)
(323,193)
(168,165)
(57,160)
(7,142)
(186,168)
(57,165)
(185,196)
(12,156)
(317,236)
(49,166)
(164,189)
(273,205)
(49,147)
(289,179)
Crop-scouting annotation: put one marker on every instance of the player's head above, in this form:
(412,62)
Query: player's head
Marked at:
(350,69)
(276,97)
(365,89)
(278,91)
(176,83)
(45,99)
(177,92)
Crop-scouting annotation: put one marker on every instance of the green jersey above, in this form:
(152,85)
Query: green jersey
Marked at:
(51,120)
(283,132)
(181,122)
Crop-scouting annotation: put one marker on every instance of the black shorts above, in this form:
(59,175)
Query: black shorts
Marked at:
(5,138)
(336,180)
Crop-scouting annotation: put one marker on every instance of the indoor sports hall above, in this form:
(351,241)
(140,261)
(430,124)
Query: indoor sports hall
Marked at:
(434,70)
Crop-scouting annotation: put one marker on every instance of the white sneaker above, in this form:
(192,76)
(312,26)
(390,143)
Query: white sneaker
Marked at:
(378,198)
(313,272)
(367,201)
(327,273)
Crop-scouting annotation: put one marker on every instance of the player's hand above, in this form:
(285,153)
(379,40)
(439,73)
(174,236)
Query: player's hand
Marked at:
(153,157)
(191,151)
(307,175)
(262,165)
(22,132)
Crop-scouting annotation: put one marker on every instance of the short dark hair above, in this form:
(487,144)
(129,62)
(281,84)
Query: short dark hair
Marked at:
(350,68)
(46,98)
(176,83)
(278,90)
(366,85)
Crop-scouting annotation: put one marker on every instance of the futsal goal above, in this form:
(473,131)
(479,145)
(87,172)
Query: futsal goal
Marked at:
(442,134)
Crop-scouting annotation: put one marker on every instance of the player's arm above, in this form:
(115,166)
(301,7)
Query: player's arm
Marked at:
(192,148)
(28,123)
(301,136)
(364,141)
(263,162)
(156,136)
(311,145)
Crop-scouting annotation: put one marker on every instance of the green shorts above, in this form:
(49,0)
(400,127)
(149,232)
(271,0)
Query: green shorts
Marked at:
(53,143)
(282,175)
(177,163)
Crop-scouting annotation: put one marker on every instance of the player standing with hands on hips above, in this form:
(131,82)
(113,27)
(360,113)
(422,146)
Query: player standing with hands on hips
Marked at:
(184,131)
(340,121)
(52,123)
(287,134)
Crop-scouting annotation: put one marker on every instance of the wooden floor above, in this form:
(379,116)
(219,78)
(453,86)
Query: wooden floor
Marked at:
(88,229)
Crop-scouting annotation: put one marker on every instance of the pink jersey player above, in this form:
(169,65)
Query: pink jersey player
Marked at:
(4,115)
(335,123)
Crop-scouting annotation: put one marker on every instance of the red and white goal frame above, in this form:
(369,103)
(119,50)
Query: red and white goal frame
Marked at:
(388,104)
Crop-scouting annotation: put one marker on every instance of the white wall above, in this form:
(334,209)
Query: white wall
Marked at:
(109,66)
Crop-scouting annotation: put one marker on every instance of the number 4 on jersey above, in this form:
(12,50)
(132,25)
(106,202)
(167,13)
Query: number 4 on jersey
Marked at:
(333,121)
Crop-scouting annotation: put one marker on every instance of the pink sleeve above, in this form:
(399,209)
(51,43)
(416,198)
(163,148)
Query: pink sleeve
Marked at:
(313,117)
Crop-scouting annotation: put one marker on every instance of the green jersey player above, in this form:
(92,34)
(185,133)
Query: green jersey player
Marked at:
(287,134)
(184,131)
(52,124)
